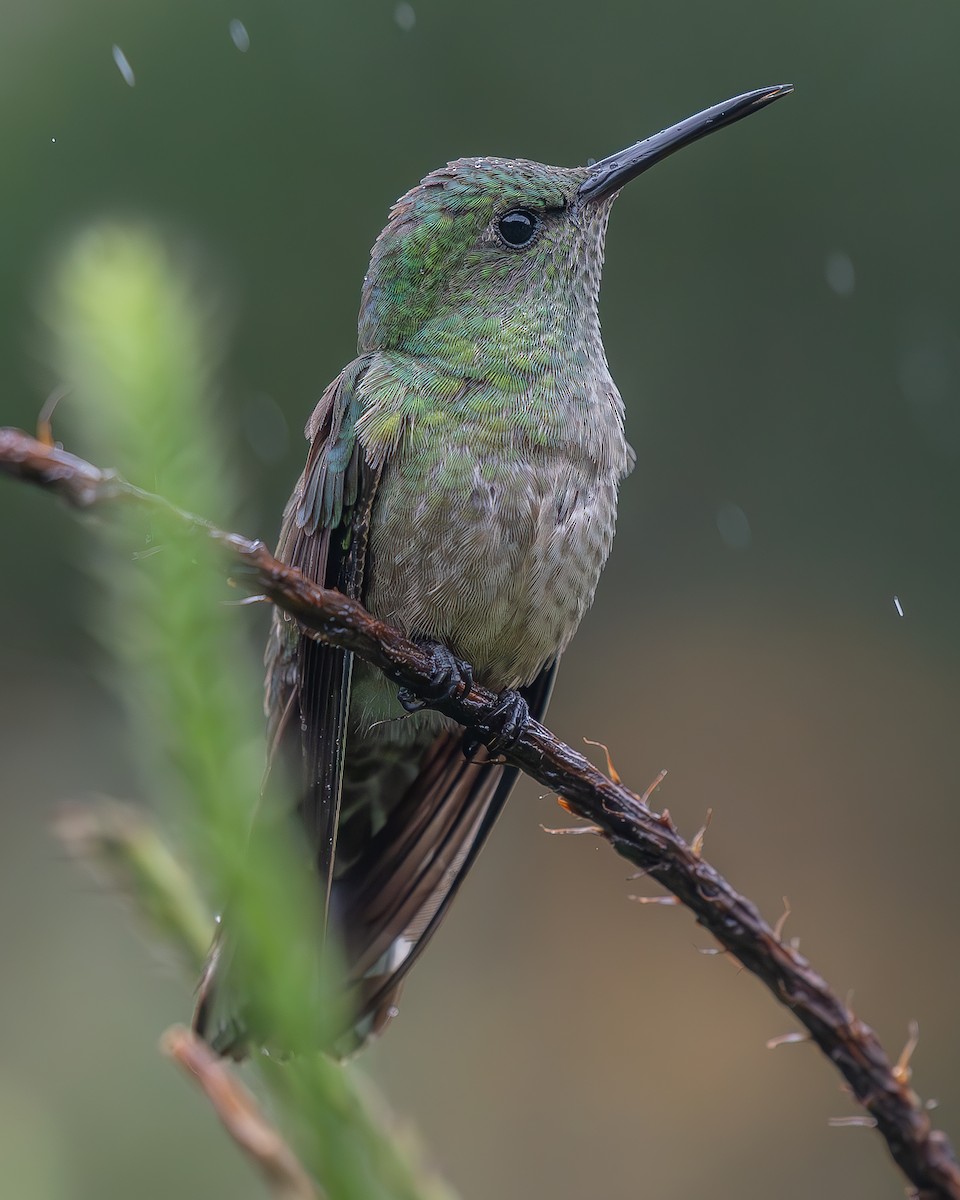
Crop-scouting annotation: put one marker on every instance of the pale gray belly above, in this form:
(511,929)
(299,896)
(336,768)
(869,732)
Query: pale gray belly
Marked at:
(499,562)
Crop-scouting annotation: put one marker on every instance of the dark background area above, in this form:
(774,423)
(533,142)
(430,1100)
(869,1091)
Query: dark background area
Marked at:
(781,315)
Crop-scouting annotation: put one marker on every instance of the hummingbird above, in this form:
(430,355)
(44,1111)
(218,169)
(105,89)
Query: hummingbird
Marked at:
(461,482)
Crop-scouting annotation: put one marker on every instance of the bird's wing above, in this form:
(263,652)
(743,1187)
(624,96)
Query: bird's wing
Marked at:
(324,535)
(390,898)
(395,894)
(307,686)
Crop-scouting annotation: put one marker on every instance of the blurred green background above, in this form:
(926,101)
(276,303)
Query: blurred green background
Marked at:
(781,314)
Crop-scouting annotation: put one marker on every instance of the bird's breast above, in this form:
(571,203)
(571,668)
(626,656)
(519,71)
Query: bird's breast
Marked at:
(494,549)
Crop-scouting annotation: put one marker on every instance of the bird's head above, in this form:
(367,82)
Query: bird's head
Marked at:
(487,248)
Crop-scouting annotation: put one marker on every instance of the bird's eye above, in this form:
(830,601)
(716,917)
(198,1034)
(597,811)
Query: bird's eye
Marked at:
(518,227)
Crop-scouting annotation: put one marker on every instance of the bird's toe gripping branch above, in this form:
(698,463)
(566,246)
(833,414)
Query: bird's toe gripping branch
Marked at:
(450,677)
(502,727)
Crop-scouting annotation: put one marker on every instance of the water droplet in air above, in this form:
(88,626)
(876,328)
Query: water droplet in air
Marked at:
(898,606)
(841,277)
(239,35)
(123,66)
(404,16)
(733,526)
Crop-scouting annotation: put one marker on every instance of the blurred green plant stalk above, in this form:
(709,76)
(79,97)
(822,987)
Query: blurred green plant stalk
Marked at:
(136,345)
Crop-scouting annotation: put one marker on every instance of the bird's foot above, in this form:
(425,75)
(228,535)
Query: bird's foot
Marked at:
(450,676)
(502,727)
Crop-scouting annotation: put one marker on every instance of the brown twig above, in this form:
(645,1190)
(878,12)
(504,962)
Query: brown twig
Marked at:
(644,837)
(240,1115)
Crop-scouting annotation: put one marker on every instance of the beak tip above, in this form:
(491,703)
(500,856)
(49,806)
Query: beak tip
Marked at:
(608,175)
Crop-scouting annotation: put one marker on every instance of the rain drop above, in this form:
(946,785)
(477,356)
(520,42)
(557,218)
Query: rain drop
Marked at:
(239,35)
(733,526)
(841,277)
(123,66)
(898,606)
(404,16)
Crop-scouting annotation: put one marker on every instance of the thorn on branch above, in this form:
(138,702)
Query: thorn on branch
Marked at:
(697,844)
(782,920)
(902,1071)
(45,419)
(611,769)
(645,796)
(787,1039)
(721,952)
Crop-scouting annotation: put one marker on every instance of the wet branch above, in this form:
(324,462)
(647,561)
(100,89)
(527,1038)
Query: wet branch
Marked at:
(647,839)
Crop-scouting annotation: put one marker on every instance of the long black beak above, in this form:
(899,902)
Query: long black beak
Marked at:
(612,173)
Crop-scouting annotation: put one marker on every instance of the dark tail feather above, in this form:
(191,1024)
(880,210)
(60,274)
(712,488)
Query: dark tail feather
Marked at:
(391,899)
(221,1027)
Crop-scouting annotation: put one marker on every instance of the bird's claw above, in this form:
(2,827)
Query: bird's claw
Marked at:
(450,676)
(502,727)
